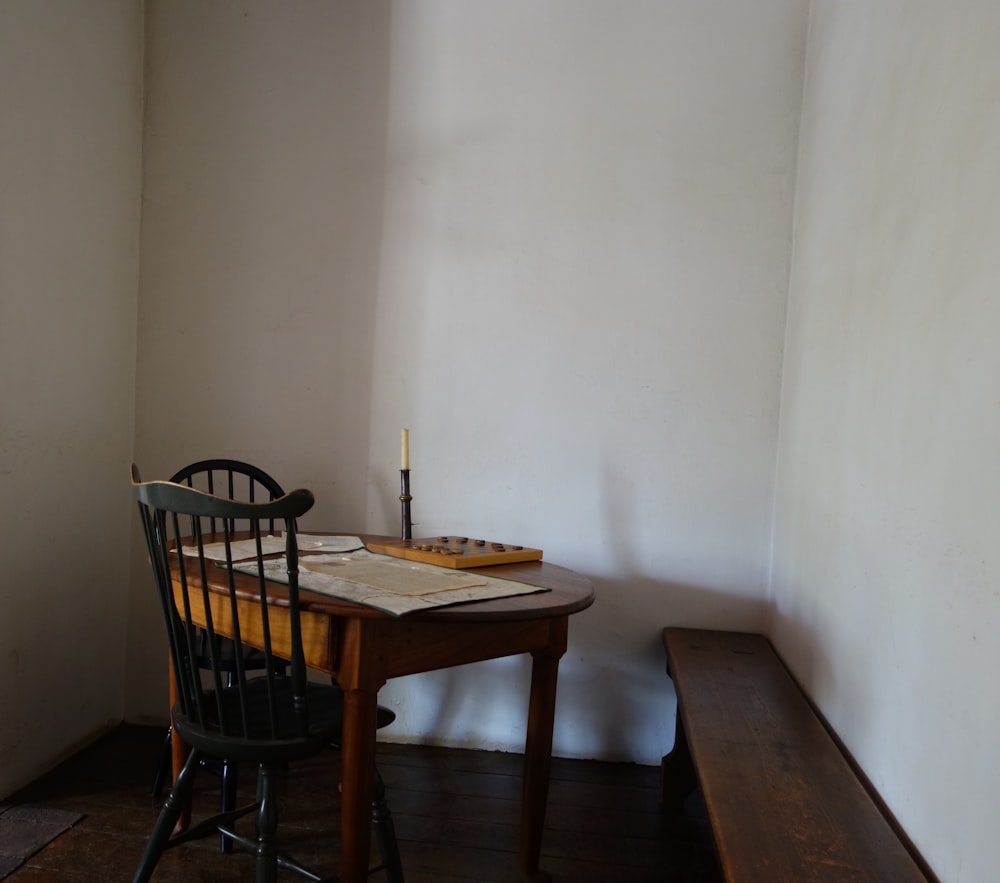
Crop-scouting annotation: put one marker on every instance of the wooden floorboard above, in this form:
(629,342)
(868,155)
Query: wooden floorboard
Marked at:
(456,814)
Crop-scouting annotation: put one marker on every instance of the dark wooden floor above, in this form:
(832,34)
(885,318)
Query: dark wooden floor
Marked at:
(456,815)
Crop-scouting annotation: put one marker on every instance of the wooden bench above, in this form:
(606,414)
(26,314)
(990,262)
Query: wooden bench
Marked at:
(783,801)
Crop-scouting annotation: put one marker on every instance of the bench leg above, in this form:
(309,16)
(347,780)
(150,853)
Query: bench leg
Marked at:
(677,775)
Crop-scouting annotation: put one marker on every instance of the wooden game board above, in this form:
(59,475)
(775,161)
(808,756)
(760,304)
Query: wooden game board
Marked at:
(458,552)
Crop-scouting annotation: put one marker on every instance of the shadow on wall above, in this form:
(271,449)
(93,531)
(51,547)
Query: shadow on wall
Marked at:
(614,682)
(481,706)
(615,701)
(801,649)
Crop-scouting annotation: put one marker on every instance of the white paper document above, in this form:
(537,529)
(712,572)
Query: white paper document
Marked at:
(275,545)
(390,584)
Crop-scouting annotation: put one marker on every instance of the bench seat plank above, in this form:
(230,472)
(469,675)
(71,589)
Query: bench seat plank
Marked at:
(783,802)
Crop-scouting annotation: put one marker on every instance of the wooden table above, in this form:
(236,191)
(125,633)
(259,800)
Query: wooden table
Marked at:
(362,648)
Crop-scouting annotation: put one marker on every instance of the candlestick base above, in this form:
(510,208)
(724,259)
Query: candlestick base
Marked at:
(404,501)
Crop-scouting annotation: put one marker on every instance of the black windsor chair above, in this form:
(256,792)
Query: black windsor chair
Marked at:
(268,719)
(237,480)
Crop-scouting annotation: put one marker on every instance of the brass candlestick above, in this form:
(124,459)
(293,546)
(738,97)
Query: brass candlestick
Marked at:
(404,500)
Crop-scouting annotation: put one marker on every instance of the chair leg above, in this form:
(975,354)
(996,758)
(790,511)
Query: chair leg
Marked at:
(267,824)
(385,833)
(163,768)
(167,820)
(227,800)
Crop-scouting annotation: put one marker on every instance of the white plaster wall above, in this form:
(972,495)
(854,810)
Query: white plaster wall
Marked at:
(262,203)
(886,568)
(580,312)
(70,111)
(551,238)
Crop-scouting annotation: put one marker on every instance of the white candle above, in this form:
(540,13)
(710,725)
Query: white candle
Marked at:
(404,460)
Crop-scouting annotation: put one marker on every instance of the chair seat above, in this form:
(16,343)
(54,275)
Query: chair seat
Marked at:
(256,739)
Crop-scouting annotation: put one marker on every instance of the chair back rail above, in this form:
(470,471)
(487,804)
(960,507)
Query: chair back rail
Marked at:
(233,479)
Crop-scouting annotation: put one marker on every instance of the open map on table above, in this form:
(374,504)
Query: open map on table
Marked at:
(272,544)
(390,584)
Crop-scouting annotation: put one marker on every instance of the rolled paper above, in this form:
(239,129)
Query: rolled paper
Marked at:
(404,460)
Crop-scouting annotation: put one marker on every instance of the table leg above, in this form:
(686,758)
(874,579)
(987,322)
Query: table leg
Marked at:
(360,681)
(178,754)
(677,774)
(538,751)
